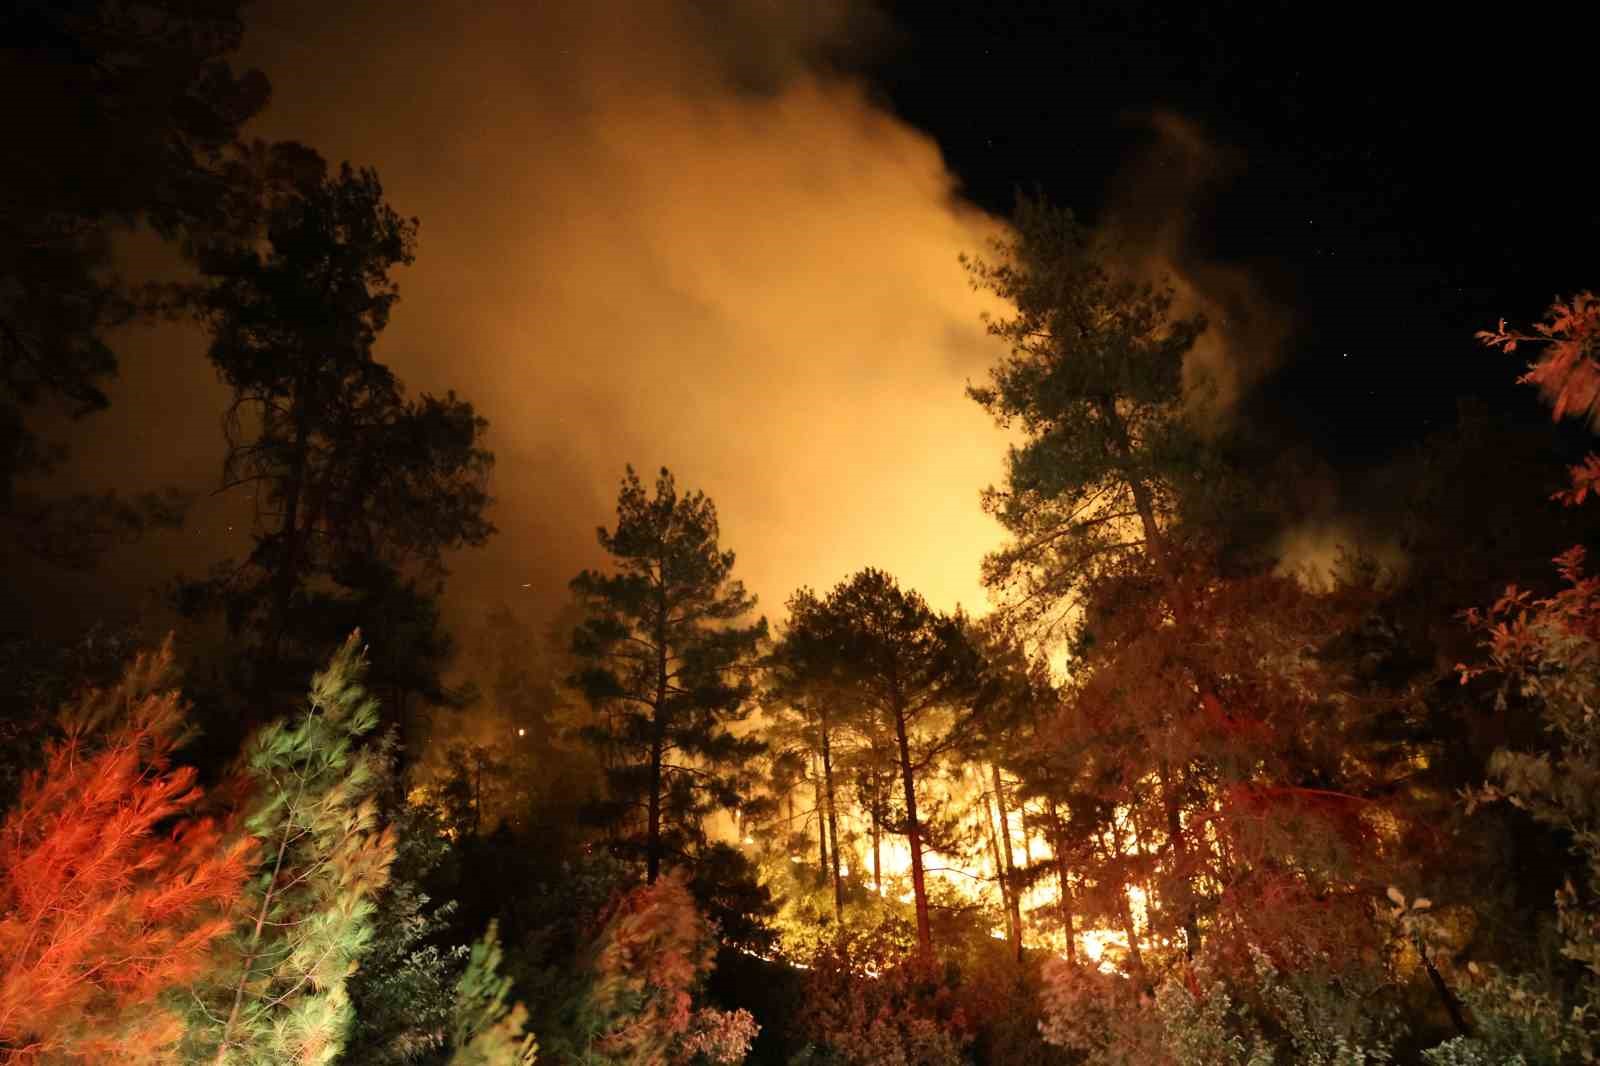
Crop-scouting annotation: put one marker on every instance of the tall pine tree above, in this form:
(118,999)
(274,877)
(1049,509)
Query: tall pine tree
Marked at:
(669,668)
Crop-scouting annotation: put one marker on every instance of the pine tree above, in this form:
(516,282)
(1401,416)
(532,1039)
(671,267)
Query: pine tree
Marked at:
(278,995)
(1095,380)
(1175,669)
(111,890)
(669,668)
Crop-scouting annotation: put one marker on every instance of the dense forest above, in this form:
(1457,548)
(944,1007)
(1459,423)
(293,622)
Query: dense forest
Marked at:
(1173,800)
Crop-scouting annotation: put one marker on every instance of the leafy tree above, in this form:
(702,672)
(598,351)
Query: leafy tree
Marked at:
(668,667)
(354,484)
(402,993)
(112,891)
(906,665)
(279,993)
(155,108)
(1544,652)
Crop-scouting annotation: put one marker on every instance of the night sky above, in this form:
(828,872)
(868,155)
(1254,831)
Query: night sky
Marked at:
(1402,175)
(722,237)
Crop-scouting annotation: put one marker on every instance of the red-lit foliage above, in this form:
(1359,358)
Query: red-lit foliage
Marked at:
(1568,371)
(1225,747)
(111,891)
(906,1013)
(650,960)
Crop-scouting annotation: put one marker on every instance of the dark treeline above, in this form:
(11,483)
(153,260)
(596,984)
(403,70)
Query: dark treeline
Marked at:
(1173,801)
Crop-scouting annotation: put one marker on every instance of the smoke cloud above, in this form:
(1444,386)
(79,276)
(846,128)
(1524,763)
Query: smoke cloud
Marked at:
(655,233)
(1152,214)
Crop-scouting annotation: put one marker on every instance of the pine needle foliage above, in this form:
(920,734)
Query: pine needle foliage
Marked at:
(111,890)
(278,995)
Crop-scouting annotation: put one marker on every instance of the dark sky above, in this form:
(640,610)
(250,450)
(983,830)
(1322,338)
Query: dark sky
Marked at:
(1406,173)
(721,235)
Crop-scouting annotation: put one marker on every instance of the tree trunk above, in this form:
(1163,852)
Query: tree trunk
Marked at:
(652,840)
(1000,875)
(1125,913)
(283,582)
(1058,849)
(877,836)
(1180,859)
(822,822)
(1005,851)
(919,884)
(1452,1005)
(477,793)
(1205,686)
(658,723)
(833,821)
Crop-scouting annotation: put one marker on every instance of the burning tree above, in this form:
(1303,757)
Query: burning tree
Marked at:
(906,666)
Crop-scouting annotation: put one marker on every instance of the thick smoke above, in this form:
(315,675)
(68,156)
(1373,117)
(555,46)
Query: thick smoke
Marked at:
(654,233)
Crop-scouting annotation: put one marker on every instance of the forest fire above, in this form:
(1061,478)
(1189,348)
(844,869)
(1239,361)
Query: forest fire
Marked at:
(1120,663)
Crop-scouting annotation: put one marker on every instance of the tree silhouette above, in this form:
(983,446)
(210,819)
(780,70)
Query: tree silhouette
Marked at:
(669,666)
(155,108)
(354,484)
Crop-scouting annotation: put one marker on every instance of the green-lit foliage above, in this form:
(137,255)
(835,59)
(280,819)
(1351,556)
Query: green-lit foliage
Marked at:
(485,1030)
(278,994)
